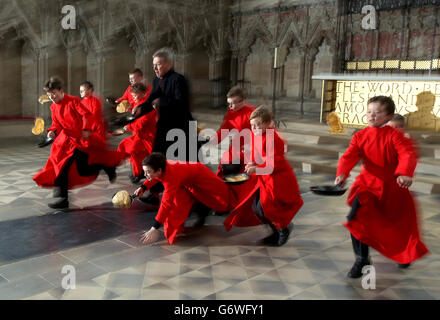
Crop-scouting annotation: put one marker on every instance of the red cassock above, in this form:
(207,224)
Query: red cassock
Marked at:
(184,183)
(69,119)
(387,218)
(94,106)
(127,95)
(140,144)
(238,120)
(279,191)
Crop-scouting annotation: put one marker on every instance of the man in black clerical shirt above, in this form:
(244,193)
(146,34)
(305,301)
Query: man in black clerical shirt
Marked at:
(170,96)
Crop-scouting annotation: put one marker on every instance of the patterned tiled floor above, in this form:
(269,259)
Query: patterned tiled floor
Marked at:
(103,245)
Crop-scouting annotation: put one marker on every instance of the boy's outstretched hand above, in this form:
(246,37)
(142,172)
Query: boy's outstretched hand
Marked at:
(136,111)
(341,180)
(404,181)
(139,191)
(150,236)
(250,169)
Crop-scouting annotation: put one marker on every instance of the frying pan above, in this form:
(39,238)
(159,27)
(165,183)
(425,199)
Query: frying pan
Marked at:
(232,176)
(231,169)
(142,203)
(119,122)
(117,132)
(328,190)
(45,142)
(111,100)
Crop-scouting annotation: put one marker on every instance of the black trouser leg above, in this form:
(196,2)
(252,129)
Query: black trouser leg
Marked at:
(201,211)
(260,213)
(360,249)
(279,236)
(354,208)
(62,181)
(160,143)
(82,164)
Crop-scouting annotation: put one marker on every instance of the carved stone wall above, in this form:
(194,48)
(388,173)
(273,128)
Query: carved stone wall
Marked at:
(217,44)
(112,37)
(10,81)
(299,31)
(406,30)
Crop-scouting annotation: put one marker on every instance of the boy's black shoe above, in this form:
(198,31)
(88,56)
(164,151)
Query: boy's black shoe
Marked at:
(283,236)
(61,204)
(111,172)
(403,265)
(272,239)
(356,270)
(200,221)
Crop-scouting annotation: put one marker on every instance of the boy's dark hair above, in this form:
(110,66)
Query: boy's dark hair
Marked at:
(54,83)
(236,92)
(138,87)
(137,72)
(390,107)
(263,113)
(399,120)
(87,84)
(155,161)
(398,117)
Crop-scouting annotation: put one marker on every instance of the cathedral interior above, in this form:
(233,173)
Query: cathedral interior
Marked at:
(217,44)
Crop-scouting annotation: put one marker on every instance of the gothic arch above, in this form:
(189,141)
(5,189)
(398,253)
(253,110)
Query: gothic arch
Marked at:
(257,30)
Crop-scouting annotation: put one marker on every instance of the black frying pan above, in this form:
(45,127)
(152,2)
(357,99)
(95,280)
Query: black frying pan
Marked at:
(236,178)
(328,190)
(120,122)
(232,168)
(123,120)
(112,101)
(45,142)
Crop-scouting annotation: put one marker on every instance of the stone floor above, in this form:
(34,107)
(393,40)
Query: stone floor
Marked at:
(102,244)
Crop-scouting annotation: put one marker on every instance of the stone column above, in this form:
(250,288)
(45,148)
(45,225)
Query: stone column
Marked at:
(241,68)
(302,51)
(144,61)
(218,75)
(77,68)
(69,69)
(10,78)
(234,69)
(336,60)
(96,70)
(308,71)
(182,63)
(41,57)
